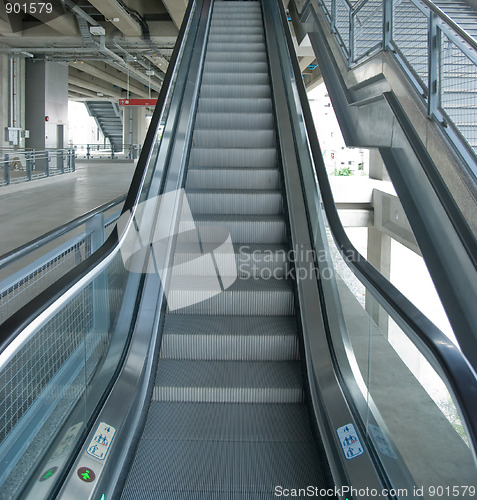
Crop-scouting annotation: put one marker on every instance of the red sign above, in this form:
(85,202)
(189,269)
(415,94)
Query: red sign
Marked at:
(137,102)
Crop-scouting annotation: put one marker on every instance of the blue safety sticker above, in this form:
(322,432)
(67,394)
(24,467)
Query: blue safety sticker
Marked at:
(350,441)
(101,442)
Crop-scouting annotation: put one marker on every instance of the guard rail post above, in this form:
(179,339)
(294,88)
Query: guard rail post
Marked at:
(61,159)
(28,157)
(6,169)
(387,23)
(47,164)
(433,62)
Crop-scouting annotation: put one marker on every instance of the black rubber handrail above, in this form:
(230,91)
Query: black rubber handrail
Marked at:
(52,235)
(16,323)
(454,365)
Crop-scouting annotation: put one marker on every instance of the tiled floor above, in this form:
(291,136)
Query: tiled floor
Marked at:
(31,209)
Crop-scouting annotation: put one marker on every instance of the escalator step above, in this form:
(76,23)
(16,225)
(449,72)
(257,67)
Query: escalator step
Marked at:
(235,91)
(237,56)
(266,261)
(228,381)
(245,29)
(227,421)
(214,78)
(234,105)
(229,347)
(247,228)
(230,339)
(243,202)
(233,178)
(238,24)
(235,67)
(237,38)
(233,157)
(222,470)
(234,121)
(228,46)
(245,297)
(220,138)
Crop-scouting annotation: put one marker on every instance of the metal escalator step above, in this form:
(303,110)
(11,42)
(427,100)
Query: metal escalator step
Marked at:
(253,343)
(245,297)
(235,91)
(238,325)
(231,47)
(236,67)
(245,29)
(228,22)
(233,157)
(234,121)
(221,470)
(247,228)
(219,138)
(237,38)
(233,201)
(235,78)
(267,261)
(233,178)
(228,422)
(228,381)
(262,260)
(236,13)
(238,56)
(234,105)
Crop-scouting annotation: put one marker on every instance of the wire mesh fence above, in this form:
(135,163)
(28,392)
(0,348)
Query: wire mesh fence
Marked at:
(367,29)
(404,28)
(458,90)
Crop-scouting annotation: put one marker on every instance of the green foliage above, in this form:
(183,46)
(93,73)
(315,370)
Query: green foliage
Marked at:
(344,171)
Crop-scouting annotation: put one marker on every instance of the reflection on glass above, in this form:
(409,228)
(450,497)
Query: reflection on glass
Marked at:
(410,416)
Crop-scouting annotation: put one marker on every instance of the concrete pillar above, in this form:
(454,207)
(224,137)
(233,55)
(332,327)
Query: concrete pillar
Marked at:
(46,104)
(134,124)
(379,255)
(377,170)
(4,104)
(12,101)
(379,248)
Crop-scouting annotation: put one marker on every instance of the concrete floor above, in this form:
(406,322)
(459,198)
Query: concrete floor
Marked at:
(30,209)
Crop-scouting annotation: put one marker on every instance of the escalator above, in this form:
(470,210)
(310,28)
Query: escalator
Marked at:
(229,382)
(211,348)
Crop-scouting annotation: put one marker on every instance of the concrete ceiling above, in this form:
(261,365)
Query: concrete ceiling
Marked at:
(129,60)
(139,36)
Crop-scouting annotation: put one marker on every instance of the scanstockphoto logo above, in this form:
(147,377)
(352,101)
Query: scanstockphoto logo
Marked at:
(195,262)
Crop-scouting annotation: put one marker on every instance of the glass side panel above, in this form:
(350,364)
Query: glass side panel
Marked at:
(410,416)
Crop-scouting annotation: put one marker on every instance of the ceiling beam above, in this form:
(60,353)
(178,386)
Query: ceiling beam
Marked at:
(305,62)
(111,10)
(80,90)
(110,75)
(161,62)
(65,25)
(176,9)
(77,78)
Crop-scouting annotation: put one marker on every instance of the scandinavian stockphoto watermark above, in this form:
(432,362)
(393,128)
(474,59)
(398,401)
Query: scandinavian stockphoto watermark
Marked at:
(194,261)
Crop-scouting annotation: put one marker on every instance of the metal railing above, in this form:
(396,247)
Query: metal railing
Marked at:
(20,165)
(438,56)
(107,151)
(28,270)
